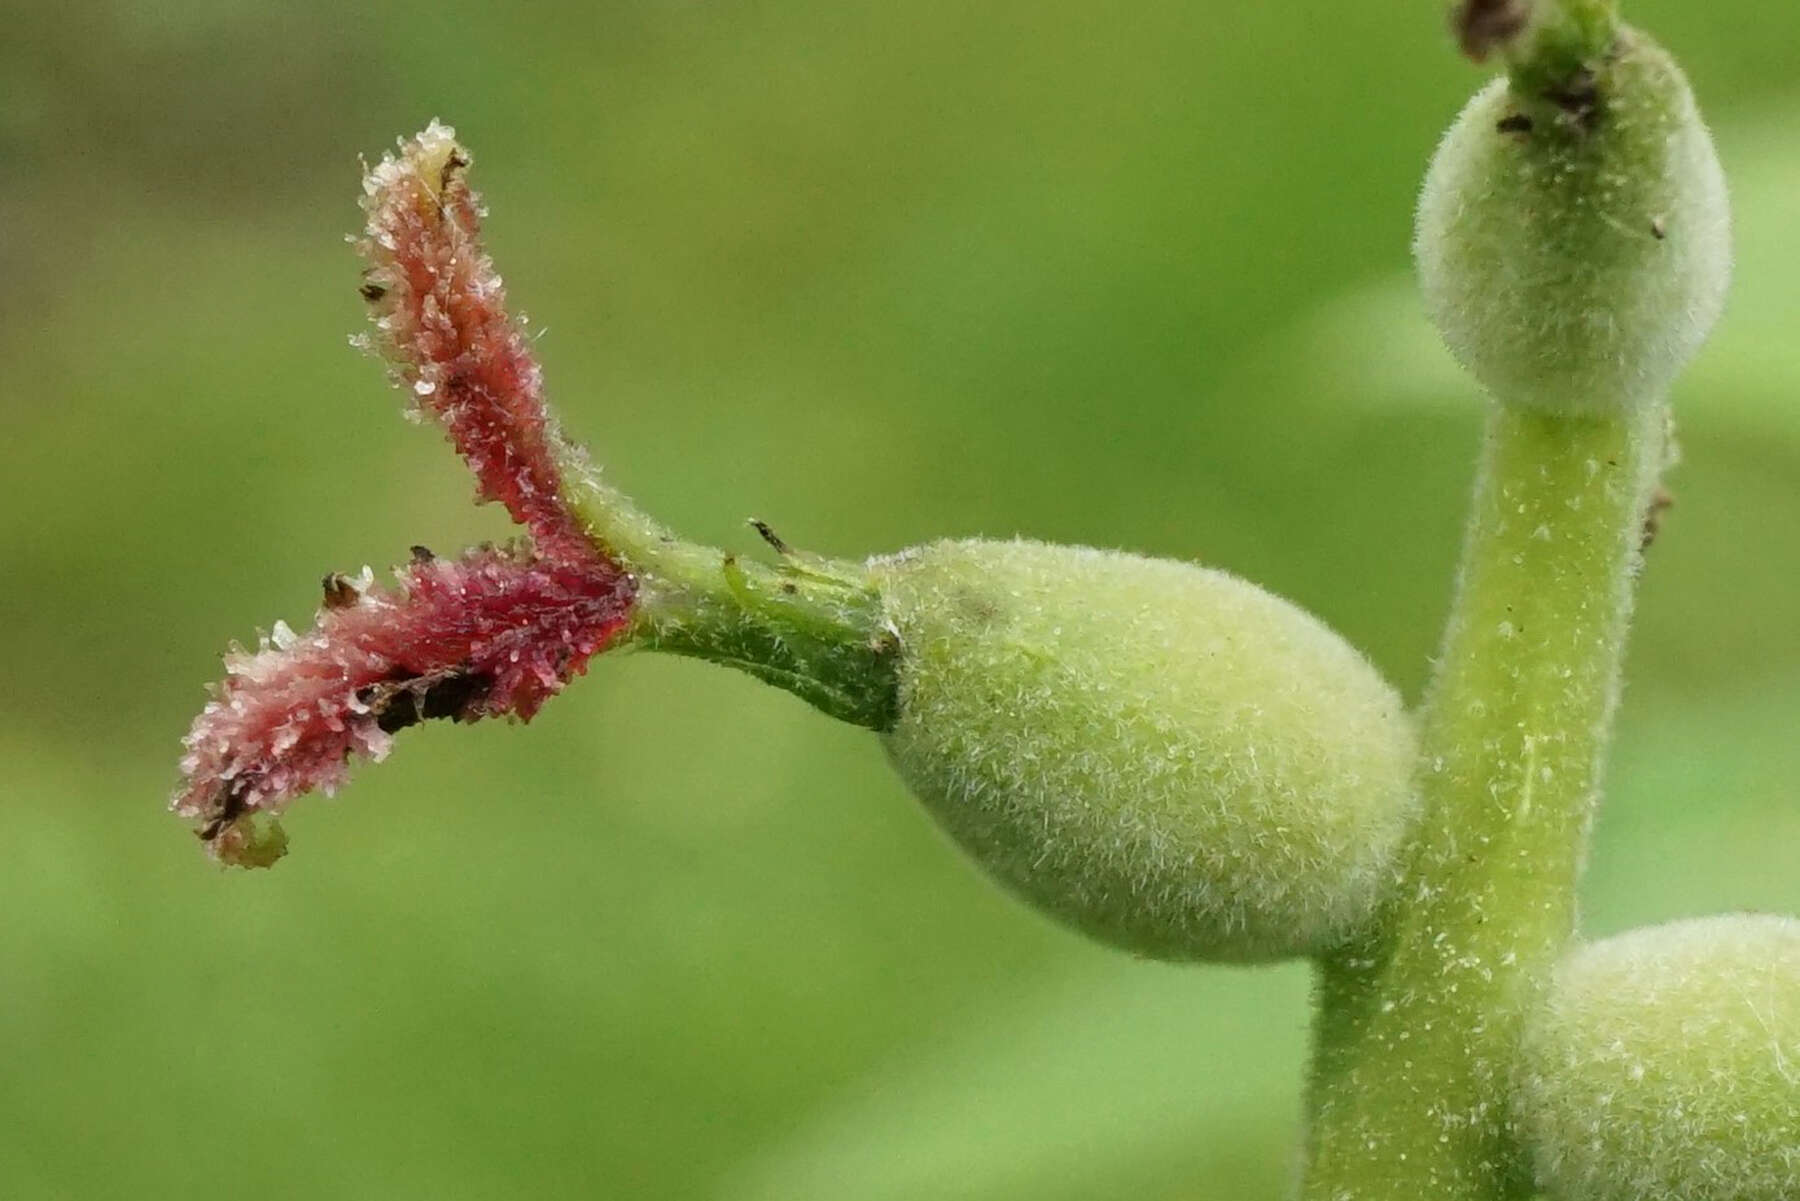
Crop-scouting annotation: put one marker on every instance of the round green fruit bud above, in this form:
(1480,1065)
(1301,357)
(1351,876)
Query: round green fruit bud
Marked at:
(1573,236)
(1163,756)
(1665,1066)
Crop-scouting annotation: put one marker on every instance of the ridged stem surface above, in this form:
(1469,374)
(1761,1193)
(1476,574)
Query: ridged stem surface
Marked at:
(1420,1027)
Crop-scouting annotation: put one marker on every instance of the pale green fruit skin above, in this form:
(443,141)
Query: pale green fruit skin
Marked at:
(1538,252)
(1666,1066)
(1163,756)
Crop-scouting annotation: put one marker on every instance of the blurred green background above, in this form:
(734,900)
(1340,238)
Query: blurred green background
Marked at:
(1130,275)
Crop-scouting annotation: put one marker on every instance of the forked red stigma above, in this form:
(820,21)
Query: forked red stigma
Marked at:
(494,632)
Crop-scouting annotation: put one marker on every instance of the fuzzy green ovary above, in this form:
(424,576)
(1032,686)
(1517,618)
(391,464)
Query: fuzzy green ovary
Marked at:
(1577,264)
(1665,1066)
(1163,756)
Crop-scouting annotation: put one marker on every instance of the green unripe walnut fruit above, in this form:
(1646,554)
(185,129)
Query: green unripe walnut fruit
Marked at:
(1665,1066)
(1573,236)
(1161,755)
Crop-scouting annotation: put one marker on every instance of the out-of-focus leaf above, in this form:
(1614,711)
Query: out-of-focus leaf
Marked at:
(1702,812)
(1750,372)
(1126,1079)
(1367,350)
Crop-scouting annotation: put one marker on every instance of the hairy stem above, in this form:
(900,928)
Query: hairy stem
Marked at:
(810,625)
(1419,1027)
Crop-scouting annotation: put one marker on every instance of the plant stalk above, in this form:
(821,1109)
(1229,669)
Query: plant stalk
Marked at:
(1419,1026)
(810,625)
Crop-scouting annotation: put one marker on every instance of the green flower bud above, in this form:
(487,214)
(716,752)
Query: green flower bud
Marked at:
(1163,756)
(1665,1066)
(1573,236)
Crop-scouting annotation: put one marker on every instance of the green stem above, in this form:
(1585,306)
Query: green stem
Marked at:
(812,626)
(1418,1028)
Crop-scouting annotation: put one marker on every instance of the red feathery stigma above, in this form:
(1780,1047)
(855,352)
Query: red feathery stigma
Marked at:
(493,633)
(440,316)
